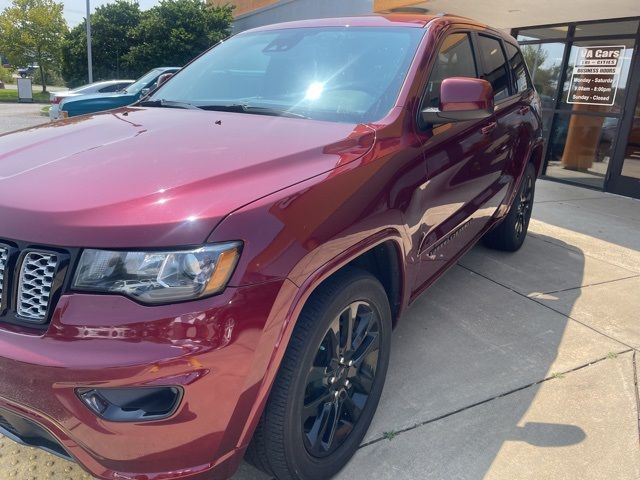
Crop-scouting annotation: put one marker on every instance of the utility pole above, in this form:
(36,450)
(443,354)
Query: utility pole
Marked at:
(89,60)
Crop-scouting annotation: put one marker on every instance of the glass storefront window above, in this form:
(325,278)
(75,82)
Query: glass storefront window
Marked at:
(622,81)
(631,164)
(544,61)
(580,148)
(584,73)
(629,27)
(543,33)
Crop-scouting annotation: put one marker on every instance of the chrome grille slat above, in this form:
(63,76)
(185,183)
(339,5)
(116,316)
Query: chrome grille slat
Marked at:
(37,273)
(4,253)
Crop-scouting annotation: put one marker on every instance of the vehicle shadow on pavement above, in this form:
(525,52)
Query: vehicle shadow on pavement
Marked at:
(476,336)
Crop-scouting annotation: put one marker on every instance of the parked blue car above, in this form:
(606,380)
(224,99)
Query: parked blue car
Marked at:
(73,106)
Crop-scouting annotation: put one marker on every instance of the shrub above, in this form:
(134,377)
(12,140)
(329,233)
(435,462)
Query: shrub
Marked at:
(5,75)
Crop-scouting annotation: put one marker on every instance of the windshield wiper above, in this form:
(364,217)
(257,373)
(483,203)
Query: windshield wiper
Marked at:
(167,104)
(252,109)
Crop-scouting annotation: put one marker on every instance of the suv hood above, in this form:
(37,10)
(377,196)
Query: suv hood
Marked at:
(156,177)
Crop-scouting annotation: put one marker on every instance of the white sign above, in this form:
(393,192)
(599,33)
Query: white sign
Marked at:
(596,75)
(25,91)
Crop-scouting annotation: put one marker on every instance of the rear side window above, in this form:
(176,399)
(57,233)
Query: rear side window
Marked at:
(495,66)
(110,88)
(455,59)
(516,61)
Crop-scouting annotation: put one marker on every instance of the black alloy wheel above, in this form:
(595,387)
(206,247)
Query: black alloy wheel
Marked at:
(524,206)
(340,380)
(329,382)
(510,233)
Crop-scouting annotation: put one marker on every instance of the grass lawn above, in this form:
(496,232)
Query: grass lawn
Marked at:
(12,96)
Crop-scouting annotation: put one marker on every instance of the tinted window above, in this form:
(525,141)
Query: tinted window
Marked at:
(516,60)
(495,67)
(334,74)
(111,88)
(543,33)
(144,81)
(455,59)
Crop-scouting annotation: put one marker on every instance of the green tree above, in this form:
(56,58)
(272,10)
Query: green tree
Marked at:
(544,76)
(175,31)
(111,27)
(32,31)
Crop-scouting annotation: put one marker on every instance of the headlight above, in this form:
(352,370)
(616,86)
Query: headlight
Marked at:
(158,277)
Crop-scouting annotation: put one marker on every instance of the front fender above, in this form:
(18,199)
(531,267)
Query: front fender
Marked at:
(303,234)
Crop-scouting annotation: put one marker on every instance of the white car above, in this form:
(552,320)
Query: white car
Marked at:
(108,86)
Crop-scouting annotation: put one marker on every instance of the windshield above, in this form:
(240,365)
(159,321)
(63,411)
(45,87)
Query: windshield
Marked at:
(143,81)
(336,74)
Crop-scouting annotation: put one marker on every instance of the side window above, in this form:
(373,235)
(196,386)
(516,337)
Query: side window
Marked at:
(455,59)
(495,66)
(520,76)
(109,88)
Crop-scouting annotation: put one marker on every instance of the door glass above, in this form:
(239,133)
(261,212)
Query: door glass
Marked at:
(520,78)
(631,165)
(580,148)
(495,67)
(455,59)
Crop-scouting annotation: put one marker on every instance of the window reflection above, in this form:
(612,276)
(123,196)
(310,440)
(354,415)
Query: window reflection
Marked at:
(631,165)
(543,33)
(628,27)
(545,63)
(581,147)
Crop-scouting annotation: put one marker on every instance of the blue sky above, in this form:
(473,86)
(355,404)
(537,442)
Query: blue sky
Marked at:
(74,10)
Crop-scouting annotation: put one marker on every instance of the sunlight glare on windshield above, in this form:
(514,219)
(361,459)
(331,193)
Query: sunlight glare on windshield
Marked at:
(314,92)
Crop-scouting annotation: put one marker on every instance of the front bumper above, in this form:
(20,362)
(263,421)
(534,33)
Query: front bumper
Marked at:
(217,350)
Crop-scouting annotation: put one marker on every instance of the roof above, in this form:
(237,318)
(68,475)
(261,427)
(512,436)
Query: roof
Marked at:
(390,20)
(411,20)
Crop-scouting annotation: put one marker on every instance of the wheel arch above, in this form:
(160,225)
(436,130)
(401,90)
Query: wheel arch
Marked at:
(369,254)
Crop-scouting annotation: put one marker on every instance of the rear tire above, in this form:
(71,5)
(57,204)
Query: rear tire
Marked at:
(509,235)
(329,383)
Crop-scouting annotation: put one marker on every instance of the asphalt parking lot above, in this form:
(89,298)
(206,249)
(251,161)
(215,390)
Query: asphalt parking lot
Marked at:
(512,366)
(14,116)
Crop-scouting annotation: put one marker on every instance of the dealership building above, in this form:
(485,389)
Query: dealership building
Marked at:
(591,104)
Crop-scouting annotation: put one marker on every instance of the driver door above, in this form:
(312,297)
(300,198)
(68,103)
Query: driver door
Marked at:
(459,161)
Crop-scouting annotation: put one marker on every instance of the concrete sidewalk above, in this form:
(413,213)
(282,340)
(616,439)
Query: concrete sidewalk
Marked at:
(530,375)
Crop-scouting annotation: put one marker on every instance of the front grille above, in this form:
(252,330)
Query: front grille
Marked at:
(34,289)
(32,279)
(4,253)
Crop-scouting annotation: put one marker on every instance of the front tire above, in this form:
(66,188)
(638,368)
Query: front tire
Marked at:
(329,383)
(509,235)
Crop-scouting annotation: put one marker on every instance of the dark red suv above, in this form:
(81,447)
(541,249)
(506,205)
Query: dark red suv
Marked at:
(217,269)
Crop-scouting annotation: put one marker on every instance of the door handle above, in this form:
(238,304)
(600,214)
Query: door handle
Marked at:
(489,128)
(524,110)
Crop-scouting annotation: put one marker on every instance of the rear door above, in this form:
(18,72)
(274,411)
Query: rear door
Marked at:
(497,72)
(519,119)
